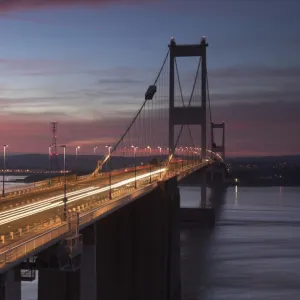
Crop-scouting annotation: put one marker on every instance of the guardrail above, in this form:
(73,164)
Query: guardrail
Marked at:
(89,211)
(28,230)
(10,189)
(30,245)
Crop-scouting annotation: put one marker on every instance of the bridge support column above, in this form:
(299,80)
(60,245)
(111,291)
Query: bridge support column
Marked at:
(156,244)
(10,285)
(138,251)
(71,285)
(114,256)
(88,274)
(58,285)
(203,203)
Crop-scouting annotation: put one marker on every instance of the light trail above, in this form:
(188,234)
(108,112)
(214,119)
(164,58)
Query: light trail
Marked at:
(44,201)
(31,209)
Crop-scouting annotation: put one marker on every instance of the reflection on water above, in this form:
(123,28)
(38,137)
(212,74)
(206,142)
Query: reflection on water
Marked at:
(253,253)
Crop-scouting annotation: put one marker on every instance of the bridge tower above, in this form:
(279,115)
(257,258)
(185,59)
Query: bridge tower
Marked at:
(214,147)
(53,153)
(189,115)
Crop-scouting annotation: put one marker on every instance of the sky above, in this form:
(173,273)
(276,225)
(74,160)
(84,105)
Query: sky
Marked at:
(87,64)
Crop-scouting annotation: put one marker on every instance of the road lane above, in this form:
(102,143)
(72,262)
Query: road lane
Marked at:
(28,214)
(55,191)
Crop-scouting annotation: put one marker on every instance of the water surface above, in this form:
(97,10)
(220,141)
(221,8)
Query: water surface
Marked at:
(253,253)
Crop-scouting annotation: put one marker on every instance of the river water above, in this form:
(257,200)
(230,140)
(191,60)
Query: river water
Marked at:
(253,252)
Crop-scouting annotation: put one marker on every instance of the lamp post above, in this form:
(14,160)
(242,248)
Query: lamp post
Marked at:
(187,155)
(76,164)
(148,147)
(49,152)
(159,161)
(65,184)
(95,150)
(192,155)
(134,152)
(4,158)
(109,164)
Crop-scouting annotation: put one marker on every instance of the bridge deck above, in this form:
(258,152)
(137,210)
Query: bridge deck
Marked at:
(91,202)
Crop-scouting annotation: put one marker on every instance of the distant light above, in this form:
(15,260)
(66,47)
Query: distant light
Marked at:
(236,180)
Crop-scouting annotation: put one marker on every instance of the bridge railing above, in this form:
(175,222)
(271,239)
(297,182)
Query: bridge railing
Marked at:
(20,250)
(27,231)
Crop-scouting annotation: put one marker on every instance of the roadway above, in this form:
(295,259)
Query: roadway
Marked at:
(52,203)
(52,206)
(40,193)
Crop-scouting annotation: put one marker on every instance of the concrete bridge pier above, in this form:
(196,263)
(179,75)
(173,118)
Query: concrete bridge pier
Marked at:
(131,254)
(207,213)
(10,285)
(58,285)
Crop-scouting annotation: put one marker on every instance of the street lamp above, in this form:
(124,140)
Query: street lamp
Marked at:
(76,150)
(4,158)
(65,184)
(187,155)
(159,160)
(182,158)
(148,147)
(95,150)
(109,164)
(134,151)
(49,152)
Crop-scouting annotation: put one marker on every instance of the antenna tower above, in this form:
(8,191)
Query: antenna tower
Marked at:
(54,155)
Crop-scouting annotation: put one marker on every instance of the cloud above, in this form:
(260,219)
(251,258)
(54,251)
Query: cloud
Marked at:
(269,128)
(38,67)
(273,131)
(260,71)
(14,5)
(120,81)
(233,8)
(254,84)
(34,135)
(259,104)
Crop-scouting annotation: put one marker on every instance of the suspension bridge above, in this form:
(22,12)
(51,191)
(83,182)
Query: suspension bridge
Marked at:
(53,227)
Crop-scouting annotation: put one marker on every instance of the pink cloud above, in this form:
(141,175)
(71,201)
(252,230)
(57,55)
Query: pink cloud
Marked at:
(24,136)
(13,5)
(251,130)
